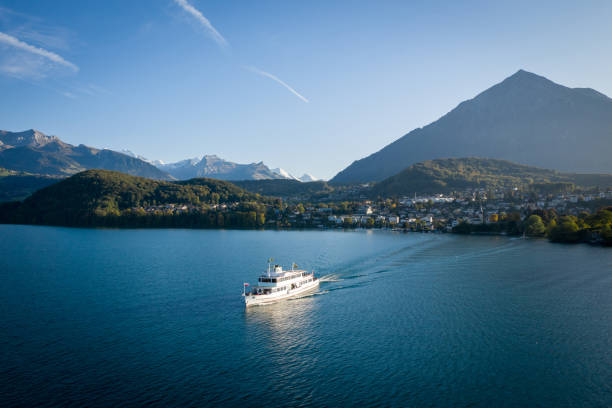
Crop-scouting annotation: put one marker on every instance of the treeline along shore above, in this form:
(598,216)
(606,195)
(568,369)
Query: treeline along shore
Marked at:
(102,198)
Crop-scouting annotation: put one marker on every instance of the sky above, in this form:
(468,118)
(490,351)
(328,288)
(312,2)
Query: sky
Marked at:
(309,86)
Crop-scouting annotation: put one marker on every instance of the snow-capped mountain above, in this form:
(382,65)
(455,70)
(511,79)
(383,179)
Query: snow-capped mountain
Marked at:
(215,167)
(134,155)
(285,174)
(307,178)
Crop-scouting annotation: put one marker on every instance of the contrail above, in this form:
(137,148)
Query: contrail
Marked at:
(277,79)
(205,22)
(17,43)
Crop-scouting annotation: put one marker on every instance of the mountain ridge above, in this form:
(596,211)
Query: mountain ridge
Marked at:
(526,118)
(32,151)
(212,166)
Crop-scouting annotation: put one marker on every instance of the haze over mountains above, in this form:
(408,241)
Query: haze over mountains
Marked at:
(213,166)
(526,118)
(33,152)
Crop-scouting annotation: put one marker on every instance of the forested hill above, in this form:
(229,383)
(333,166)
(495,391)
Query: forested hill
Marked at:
(445,175)
(88,197)
(285,188)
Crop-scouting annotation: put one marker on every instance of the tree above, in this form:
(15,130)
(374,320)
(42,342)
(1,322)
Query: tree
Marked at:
(606,234)
(251,218)
(513,217)
(534,226)
(551,225)
(566,231)
(220,220)
(261,219)
(600,219)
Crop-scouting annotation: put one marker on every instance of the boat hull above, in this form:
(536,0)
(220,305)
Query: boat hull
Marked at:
(256,300)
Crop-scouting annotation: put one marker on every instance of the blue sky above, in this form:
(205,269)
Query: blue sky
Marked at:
(308,86)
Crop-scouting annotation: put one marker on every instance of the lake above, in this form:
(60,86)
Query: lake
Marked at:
(93,317)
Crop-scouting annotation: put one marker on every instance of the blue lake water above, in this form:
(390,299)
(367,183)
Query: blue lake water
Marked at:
(132,317)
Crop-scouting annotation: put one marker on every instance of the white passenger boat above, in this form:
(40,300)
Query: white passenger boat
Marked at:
(279,284)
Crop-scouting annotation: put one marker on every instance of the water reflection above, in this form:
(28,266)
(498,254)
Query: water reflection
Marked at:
(284,318)
(287,334)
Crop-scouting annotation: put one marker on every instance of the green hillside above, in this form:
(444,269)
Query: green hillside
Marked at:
(103,197)
(285,188)
(445,175)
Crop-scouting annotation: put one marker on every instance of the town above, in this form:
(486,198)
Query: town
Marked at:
(440,212)
(425,213)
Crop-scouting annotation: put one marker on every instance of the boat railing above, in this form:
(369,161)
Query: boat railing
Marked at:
(276,279)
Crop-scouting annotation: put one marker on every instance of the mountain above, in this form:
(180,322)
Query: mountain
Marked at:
(137,156)
(526,118)
(32,138)
(102,197)
(446,175)
(36,153)
(215,167)
(306,178)
(284,174)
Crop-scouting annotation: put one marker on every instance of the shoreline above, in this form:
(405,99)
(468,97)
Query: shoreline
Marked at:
(396,230)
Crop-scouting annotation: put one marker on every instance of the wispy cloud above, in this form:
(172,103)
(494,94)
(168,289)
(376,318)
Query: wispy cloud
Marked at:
(92,90)
(277,79)
(212,31)
(222,42)
(48,55)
